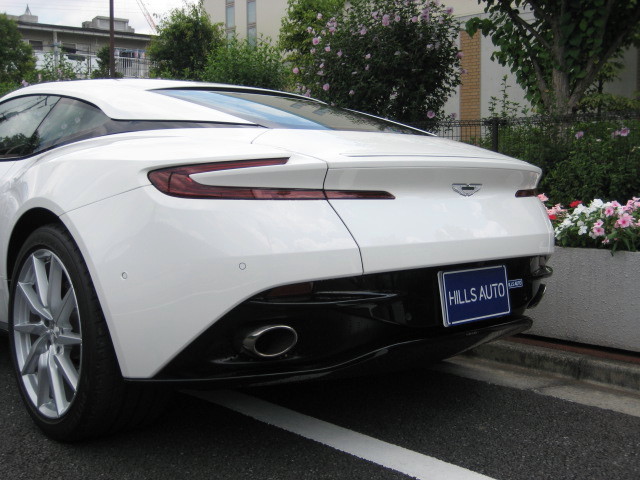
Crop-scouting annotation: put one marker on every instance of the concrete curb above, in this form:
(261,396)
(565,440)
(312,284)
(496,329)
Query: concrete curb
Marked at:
(555,360)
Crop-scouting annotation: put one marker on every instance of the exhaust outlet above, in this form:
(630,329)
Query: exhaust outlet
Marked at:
(538,296)
(270,341)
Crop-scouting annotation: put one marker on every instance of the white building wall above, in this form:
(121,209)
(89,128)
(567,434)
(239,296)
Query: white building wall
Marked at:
(269,15)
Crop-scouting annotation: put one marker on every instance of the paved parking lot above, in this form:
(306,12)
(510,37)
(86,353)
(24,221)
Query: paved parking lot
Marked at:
(456,420)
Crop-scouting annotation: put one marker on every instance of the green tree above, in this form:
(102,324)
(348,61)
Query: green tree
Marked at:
(17,62)
(558,55)
(184,40)
(303,16)
(391,58)
(103,64)
(242,63)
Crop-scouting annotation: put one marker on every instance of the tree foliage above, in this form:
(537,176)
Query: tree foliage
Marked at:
(17,62)
(184,40)
(392,58)
(241,63)
(558,55)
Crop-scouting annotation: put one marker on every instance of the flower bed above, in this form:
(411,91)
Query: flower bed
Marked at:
(609,225)
(591,298)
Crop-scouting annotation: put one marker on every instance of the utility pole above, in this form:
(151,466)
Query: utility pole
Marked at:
(112,48)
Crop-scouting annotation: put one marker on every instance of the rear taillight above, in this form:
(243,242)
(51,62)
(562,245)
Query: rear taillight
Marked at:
(526,193)
(177,182)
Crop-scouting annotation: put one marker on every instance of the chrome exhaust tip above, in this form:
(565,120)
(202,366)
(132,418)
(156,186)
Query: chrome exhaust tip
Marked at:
(270,341)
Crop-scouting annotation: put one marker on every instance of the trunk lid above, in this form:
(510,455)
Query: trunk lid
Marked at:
(428,223)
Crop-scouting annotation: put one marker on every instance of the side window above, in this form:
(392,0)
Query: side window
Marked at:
(19,119)
(71,120)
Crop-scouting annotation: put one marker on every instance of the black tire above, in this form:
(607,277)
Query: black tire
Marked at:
(68,406)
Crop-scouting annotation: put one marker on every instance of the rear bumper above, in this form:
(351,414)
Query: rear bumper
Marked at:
(344,322)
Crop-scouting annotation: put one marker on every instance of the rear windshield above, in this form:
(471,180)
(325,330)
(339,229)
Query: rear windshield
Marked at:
(275,111)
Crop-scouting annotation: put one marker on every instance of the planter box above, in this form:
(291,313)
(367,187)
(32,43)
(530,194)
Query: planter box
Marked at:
(591,298)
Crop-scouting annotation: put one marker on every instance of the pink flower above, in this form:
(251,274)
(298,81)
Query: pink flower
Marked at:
(374,15)
(615,203)
(24,83)
(459,54)
(363,31)
(313,50)
(327,48)
(579,135)
(366,67)
(397,18)
(449,10)
(367,56)
(320,72)
(609,211)
(598,223)
(385,20)
(430,114)
(325,87)
(543,197)
(624,221)
(624,132)
(319,17)
(339,53)
(453,115)
(296,70)
(316,40)
(597,231)
(351,92)
(309,29)
(414,19)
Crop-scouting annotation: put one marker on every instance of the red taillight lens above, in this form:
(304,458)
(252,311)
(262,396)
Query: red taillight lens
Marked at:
(177,182)
(526,193)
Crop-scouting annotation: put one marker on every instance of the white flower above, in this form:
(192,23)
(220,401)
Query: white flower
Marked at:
(580,223)
(597,203)
(582,230)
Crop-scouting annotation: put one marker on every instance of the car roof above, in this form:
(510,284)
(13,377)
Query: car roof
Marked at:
(135,99)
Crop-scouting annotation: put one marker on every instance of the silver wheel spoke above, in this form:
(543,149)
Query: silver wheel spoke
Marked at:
(69,339)
(57,387)
(68,371)
(54,293)
(43,379)
(31,361)
(33,299)
(32,328)
(42,283)
(65,309)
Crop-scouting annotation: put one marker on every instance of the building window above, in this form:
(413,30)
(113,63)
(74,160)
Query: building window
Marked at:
(36,45)
(230,18)
(252,30)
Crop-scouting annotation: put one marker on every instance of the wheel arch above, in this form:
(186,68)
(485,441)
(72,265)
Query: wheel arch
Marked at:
(26,224)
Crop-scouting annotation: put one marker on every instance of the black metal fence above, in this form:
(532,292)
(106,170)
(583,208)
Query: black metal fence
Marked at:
(489,131)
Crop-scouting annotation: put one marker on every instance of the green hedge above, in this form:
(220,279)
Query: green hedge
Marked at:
(581,159)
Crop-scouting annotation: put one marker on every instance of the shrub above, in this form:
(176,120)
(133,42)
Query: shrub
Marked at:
(241,63)
(392,58)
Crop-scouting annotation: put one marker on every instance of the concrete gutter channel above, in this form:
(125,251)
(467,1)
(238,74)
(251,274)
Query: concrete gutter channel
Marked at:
(584,363)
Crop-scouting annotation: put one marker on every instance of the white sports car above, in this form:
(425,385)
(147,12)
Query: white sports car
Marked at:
(163,232)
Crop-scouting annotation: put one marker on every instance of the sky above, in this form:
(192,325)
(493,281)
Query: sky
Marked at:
(74,12)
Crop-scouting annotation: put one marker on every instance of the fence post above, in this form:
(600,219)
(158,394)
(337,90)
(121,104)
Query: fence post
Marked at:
(495,124)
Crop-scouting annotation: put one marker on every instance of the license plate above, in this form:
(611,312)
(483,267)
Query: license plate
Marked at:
(474,294)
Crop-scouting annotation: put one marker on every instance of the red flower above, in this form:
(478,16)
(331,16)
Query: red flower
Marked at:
(553,217)
(575,203)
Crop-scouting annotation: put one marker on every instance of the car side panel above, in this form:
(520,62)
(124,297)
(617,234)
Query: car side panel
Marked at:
(165,269)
